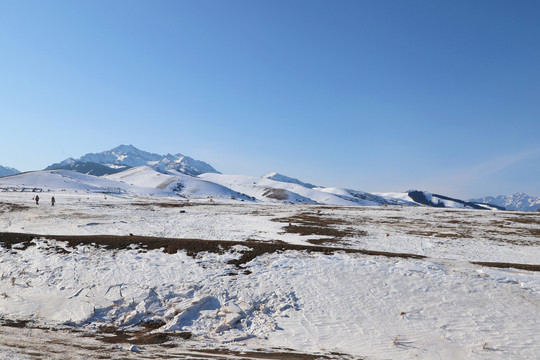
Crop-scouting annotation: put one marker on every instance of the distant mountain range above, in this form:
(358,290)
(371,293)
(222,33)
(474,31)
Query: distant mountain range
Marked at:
(518,201)
(125,157)
(137,171)
(7,171)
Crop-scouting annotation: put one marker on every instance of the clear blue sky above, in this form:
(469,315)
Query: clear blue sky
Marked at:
(372,95)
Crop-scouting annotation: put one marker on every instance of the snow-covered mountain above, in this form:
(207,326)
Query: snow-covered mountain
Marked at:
(279,177)
(518,201)
(127,156)
(6,171)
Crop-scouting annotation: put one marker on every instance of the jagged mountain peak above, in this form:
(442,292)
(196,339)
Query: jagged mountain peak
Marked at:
(128,156)
(126,148)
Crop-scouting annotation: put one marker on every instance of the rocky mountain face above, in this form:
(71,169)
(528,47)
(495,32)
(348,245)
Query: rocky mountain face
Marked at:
(127,156)
(518,201)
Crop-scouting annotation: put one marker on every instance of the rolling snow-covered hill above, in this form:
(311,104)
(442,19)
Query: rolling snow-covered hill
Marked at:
(7,171)
(146,181)
(519,202)
(176,182)
(66,180)
(265,189)
(127,156)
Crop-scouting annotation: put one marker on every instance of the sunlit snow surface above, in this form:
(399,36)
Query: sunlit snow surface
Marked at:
(341,305)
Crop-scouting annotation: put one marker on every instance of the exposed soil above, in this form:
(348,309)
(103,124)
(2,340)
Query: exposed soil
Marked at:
(308,224)
(526,218)
(529,267)
(438,234)
(139,337)
(163,204)
(10,207)
(14,323)
(274,355)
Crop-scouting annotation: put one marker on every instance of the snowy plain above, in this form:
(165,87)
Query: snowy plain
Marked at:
(62,299)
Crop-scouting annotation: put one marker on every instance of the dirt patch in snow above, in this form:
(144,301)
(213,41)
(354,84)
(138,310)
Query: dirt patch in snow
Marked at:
(164,204)
(10,207)
(14,323)
(143,336)
(309,224)
(525,218)
(273,355)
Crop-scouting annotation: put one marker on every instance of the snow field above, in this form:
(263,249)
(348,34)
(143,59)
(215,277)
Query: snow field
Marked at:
(364,306)
(374,307)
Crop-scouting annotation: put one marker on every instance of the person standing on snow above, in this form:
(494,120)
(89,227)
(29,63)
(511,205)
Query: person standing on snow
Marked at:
(52,201)
(37,199)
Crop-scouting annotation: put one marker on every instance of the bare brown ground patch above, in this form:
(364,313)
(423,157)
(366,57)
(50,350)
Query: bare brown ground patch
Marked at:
(143,336)
(438,234)
(525,218)
(163,204)
(262,354)
(14,323)
(309,224)
(11,207)
(528,267)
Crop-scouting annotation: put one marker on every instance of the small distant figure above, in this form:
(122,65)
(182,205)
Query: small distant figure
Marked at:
(53,200)
(37,199)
